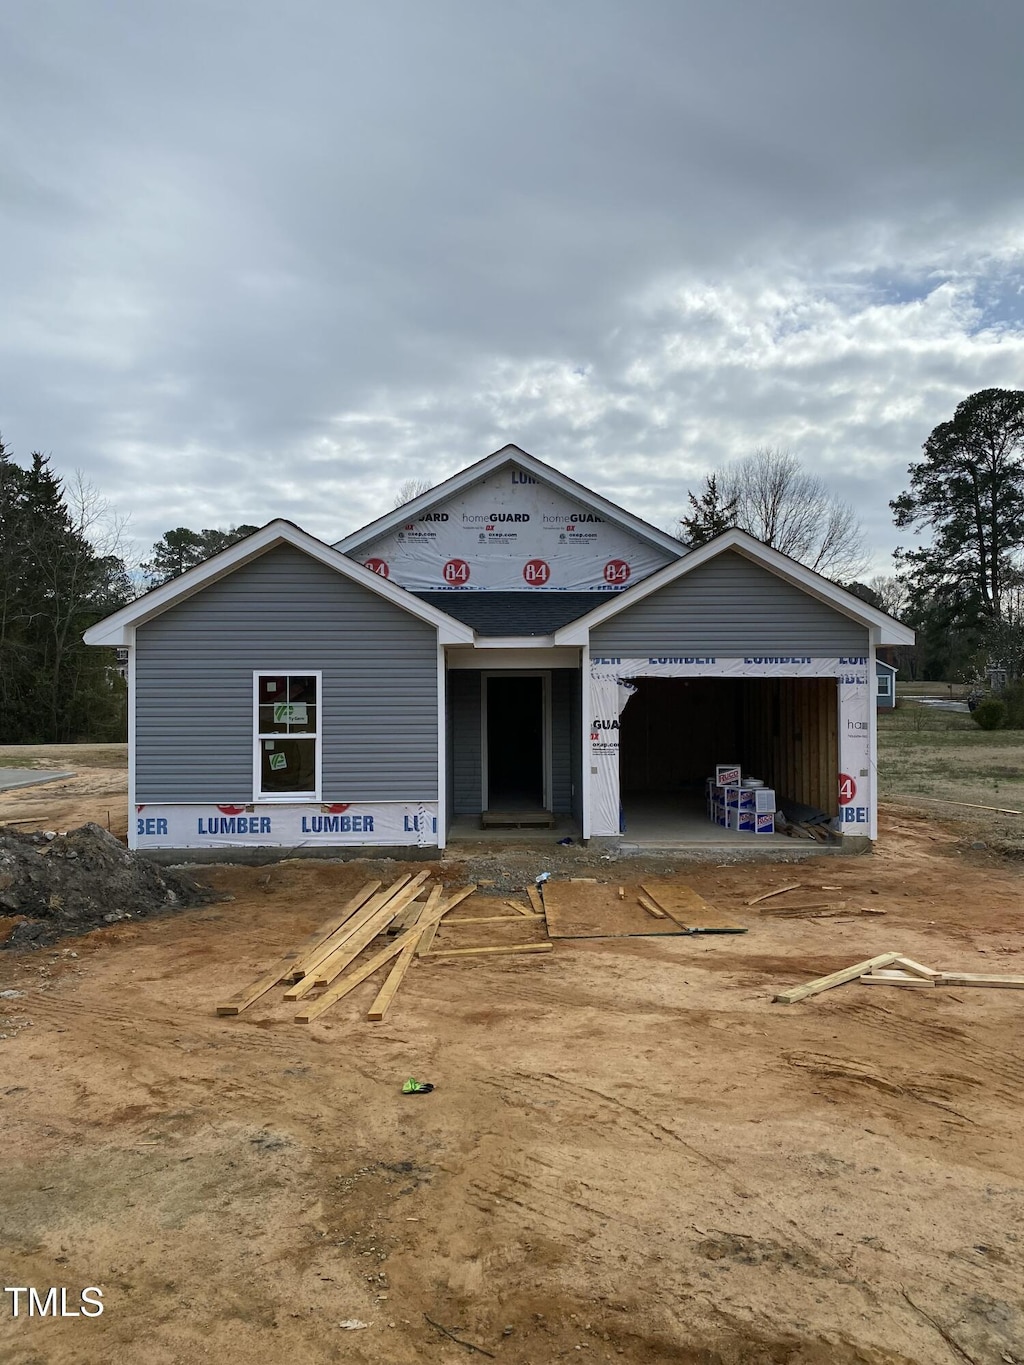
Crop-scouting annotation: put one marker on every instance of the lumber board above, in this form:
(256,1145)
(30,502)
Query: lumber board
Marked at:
(315,953)
(284,969)
(915,968)
(535,900)
(493,919)
(683,905)
(519,909)
(430,926)
(502,948)
(647,904)
(355,978)
(884,978)
(840,978)
(371,913)
(352,947)
(779,891)
(386,994)
(1013,983)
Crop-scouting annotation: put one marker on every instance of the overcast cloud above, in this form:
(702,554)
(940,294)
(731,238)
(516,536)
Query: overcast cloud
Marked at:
(265,260)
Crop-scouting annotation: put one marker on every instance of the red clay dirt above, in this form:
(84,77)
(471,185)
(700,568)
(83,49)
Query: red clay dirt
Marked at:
(631,1153)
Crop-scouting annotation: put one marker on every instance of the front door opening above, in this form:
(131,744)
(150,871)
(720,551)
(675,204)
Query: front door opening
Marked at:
(515,744)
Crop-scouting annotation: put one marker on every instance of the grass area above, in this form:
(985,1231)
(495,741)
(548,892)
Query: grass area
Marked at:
(934,759)
(952,691)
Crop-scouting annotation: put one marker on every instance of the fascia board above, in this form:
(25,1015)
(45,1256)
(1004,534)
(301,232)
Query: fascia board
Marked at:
(514,641)
(114,629)
(890,631)
(509,454)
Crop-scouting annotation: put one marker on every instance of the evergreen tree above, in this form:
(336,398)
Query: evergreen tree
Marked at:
(182,549)
(710,515)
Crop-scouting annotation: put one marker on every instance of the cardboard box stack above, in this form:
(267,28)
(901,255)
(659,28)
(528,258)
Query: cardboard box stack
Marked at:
(735,805)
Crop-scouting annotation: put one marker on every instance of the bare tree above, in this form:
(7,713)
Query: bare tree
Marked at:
(411,488)
(794,512)
(891,592)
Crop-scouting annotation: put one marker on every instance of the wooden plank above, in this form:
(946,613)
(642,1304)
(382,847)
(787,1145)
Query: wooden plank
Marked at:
(1013,983)
(915,968)
(316,952)
(285,968)
(492,919)
(430,928)
(519,909)
(505,948)
(825,983)
(650,907)
(535,900)
(386,993)
(779,891)
(884,978)
(348,952)
(372,913)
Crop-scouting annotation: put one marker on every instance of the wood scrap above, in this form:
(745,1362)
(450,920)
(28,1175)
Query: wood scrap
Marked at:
(492,919)
(349,925)
(647,904)
(546,947)
(430,924)
(284,969)
(1015,983)
(519,909)
(915,968)
(344,956)
(683,905)
(779,891)
(535,900)
(886,978)
(313,1008)
(622,893)
(386,994)
(825,983)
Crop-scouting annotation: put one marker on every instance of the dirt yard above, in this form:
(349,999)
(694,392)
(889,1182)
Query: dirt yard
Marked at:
(630,1154)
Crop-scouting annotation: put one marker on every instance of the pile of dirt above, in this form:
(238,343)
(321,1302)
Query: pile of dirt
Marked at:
(52,885)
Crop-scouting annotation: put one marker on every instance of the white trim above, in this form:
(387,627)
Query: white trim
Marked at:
(114,629)
(491,642)
(586,720)
(259,796)
(546,727)
(890,631)
(873,740)
(442,747)
(507,455)
(133,841)
(512,656)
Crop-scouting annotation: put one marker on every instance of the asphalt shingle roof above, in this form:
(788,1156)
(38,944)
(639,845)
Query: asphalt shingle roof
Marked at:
(514,613)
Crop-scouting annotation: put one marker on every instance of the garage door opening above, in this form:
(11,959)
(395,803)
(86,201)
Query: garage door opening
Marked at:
(673,731)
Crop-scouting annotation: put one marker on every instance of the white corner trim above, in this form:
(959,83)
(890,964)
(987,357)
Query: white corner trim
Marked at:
(474,473)
(133,839)
(113,630)
(889,630)
(442,747)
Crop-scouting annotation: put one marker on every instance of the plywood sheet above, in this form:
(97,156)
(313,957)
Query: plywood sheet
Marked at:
(588,910)
(684,905)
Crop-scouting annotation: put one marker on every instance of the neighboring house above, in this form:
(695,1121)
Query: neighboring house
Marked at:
(510,642)
(885,686)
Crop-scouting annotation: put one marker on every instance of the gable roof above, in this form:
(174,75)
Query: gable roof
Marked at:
(474,473)
(117,628)
(887,630)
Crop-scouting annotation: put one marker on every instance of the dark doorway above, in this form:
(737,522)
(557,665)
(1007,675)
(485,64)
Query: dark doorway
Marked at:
(515,744)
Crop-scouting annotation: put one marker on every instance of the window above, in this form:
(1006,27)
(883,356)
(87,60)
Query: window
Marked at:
(885,684)
(287,720)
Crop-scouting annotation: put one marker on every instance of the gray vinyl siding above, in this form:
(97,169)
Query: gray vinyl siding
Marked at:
(563,680)
(464,710)
(729,607)
(194,692)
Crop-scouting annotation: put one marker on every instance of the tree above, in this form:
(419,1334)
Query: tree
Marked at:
(411,488)
(969,492)
(771,497)
(54,584)
(182,549)
(710,515)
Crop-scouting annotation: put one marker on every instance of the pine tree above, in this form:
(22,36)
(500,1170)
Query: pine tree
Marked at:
(711,514)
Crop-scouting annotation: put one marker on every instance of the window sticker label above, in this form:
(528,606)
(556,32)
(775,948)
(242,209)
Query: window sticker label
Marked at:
(290,712)
(277,762)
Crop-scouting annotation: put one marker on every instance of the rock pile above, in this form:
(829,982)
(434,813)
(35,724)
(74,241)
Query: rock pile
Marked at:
(54,885)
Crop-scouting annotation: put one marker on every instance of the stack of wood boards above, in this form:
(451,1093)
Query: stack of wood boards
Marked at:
(893,969)
(331,959)
(589,909)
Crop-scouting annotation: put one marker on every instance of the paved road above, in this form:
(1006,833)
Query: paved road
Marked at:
(26,777)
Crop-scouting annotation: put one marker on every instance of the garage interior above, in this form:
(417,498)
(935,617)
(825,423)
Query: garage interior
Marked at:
(673,731)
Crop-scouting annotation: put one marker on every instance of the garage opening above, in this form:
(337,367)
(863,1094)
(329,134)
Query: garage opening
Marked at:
(673,731)
(515,745)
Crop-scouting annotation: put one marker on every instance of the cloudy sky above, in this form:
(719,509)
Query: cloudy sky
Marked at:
(262,259)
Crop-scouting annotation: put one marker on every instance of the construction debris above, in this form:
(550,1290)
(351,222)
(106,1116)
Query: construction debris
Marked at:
(893,969)
(331,958)
(779,891)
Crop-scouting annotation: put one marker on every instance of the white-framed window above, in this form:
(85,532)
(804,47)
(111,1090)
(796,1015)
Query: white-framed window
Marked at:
(287,733)
(885,685)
